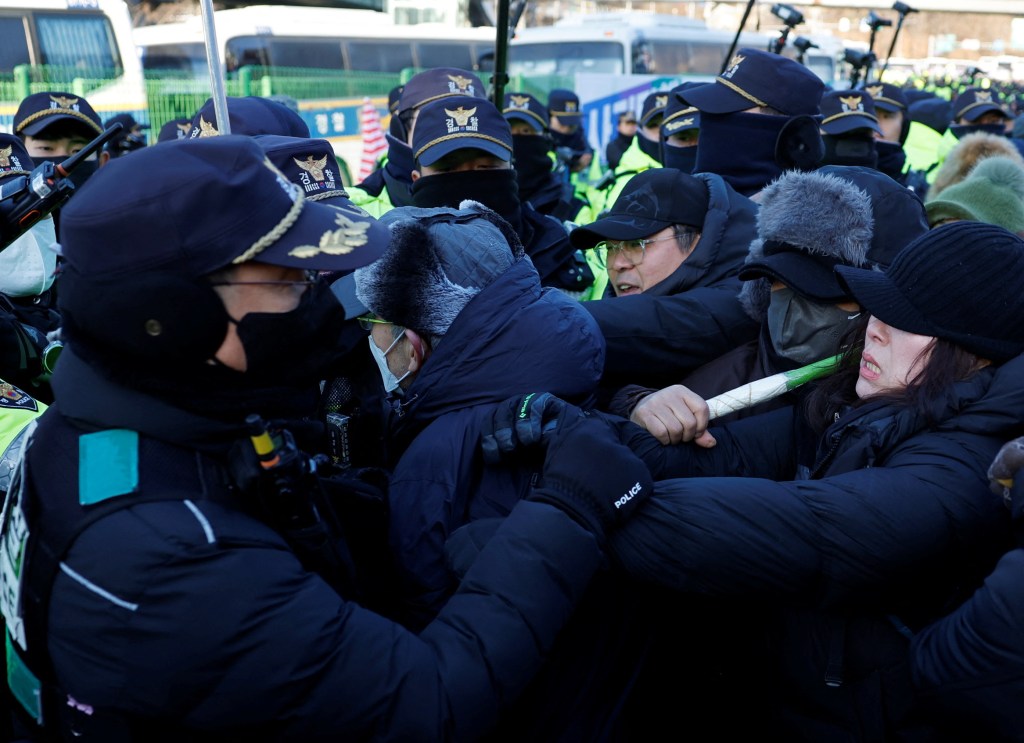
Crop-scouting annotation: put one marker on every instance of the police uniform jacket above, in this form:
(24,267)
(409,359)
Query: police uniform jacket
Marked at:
(888,521)
(656,337)
(182,611)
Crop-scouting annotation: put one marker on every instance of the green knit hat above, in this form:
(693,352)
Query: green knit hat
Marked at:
(993,192)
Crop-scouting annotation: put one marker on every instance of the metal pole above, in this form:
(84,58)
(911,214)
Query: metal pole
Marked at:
(736,39)
(220,100)
(892,45)
(499,79)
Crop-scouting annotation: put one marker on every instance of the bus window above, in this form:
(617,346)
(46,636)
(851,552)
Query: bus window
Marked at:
(445,54)
(565,59)
(321,54)
(707,58)
(82,41)
(185,58)
(379,55)
(14,50)
(246,50)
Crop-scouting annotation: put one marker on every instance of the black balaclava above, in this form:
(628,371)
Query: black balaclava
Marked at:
(741,148)
(891,158)
(856,148)
(398,171)
(495,189)
(532,164)
(680,158)
(648,147)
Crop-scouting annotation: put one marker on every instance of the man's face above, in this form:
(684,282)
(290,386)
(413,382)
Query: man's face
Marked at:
(652,129)
(62,146)
(687,138)
(522,128)
(633,269)
(627,126)
(256,287)
(989,117)
(462,161)
(891,124)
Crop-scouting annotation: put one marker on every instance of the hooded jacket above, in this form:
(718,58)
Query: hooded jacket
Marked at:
(839,547)
(512,337)
(694,315)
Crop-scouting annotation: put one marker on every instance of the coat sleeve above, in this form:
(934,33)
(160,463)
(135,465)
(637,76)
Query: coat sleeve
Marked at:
(655,341)
(841,538)
(236,634)
(970,664)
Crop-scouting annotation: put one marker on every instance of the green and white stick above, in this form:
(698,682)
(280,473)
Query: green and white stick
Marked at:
(765,389)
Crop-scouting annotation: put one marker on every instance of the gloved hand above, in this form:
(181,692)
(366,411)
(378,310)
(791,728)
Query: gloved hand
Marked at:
(525,421)
(1005,477)
(590,475)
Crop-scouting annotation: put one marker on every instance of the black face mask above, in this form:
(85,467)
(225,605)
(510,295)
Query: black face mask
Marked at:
(294,348)
(962,130)
(495,189)
(891,158)
(533,166)
(649,148)
(740,147)
(858,149)
(680,158)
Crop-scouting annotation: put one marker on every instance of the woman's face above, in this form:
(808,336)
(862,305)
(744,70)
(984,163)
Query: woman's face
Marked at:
(892,358)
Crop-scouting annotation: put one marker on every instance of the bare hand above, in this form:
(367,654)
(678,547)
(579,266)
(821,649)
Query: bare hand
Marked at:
(674,415)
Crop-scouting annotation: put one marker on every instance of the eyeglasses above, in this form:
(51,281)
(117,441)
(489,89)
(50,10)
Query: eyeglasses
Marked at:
(312,277)
(366,322)
(634,250)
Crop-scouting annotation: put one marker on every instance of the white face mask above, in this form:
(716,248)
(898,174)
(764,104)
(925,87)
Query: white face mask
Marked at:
(391,382)
(27,265)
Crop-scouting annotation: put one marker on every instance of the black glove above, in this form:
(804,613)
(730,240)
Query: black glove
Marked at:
(525,421)
(1005,478)
(590,475)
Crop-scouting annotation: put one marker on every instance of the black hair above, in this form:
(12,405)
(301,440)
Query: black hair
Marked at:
(947,363)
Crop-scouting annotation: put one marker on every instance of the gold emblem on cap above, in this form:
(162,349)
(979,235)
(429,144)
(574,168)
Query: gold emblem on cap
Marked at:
(660,101)
(461,115)
(207,129)
(314,167)
(851,103)
(874,91)
(64,101)
(349,236)
(460,82)
(983,96)
(520,101)
(736,60)
(5,156)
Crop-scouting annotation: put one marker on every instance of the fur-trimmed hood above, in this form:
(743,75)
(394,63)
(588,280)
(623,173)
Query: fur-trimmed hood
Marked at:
(967,153)
(810,222)
(436,261)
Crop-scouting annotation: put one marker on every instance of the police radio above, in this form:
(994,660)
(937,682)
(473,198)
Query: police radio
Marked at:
(26,199)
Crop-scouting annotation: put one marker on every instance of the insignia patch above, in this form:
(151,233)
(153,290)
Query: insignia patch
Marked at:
(12,397)
(462,118)
(983,96)
(322,176)
(9,161)
(734,64)
(62,101)
(519,101)
(207,129)
(875,91)
(852,103)
(461,85)
(349,236)
(660,101)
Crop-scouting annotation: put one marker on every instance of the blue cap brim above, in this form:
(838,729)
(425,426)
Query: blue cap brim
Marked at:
(433,152)
(715,98)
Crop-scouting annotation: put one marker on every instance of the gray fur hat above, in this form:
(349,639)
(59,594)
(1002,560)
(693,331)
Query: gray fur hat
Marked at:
(436,262)
(808,223)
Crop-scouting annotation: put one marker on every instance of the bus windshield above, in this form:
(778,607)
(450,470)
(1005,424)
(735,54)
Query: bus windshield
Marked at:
(561,58)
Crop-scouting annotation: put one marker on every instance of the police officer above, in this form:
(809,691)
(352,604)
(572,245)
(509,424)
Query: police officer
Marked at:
(156,585)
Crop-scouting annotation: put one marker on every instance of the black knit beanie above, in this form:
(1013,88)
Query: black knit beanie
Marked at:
(960,282)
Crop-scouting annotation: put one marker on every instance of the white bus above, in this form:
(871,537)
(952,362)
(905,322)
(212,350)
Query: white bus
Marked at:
(614,60)
(80,46)
(327,59)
